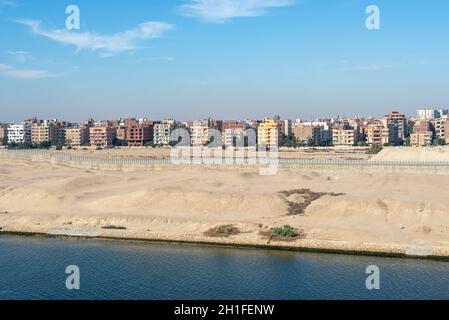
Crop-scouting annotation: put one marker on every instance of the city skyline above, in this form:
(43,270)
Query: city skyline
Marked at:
(202,58)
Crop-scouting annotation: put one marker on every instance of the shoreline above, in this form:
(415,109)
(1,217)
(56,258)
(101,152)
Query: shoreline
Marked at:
(233,245)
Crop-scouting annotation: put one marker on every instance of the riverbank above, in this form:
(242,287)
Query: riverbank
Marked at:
(340,210)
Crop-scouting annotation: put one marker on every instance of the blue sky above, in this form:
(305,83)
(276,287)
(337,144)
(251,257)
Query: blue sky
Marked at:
(221,58)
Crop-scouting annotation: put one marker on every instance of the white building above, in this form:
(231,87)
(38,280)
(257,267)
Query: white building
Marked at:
(19,133)
(162,132)
(430,114)
(199,133)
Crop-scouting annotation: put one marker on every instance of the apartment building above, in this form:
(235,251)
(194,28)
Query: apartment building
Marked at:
(344,136)
(19,133)
(199,133)
(430,114)
(233,133)
(162,132)
(121,137)
(382,132)
(446,133)
(102,136)
(269,133)
(439,126)
(139,135)
(77,136)
(306,132)
(399,122)
(3,134)
(287,128)
(421,138)
(48,131)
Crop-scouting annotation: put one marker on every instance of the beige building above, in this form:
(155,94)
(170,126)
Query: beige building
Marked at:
(344,136)
(378,134)
(304,133)
(199,133)
(3,134)
(47,131)
(421,138)
(77,136)
(102,136)
(269,133)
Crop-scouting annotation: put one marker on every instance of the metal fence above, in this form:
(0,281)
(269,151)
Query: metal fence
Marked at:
(66,157)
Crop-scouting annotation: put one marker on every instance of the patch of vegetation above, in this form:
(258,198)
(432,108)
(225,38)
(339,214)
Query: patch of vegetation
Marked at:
(222,231)
(299,208)
(285,233)
(113,227)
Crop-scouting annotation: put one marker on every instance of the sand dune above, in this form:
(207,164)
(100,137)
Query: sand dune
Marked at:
(378,209)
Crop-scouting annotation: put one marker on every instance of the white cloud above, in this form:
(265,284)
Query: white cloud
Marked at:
(107,44)
(27,74)
(8,3)
(20,56)
(222,10)
(373,67)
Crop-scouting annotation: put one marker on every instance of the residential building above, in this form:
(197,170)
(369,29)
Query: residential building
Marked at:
(102,136)
(306,133)
(269,133)
(430,114)
(446,133)
(77,136)
(199,133)
(121,137)
(421,138)
(344,136)
(19,133)
(287,128)
(439,125)
(399,121)
(233,133)
(162,132)
(139,135)
(48,131)
(3,134)
(382,132)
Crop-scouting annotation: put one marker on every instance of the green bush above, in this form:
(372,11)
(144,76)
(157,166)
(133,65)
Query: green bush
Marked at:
(285,231)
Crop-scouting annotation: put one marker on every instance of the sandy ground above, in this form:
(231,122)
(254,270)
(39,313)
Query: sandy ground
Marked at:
(413,153)
(377,211)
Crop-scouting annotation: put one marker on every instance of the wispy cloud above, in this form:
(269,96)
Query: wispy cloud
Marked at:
(28,74)
(20,55)
(371,67)
(8,3)
(219,11)
(105,44)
